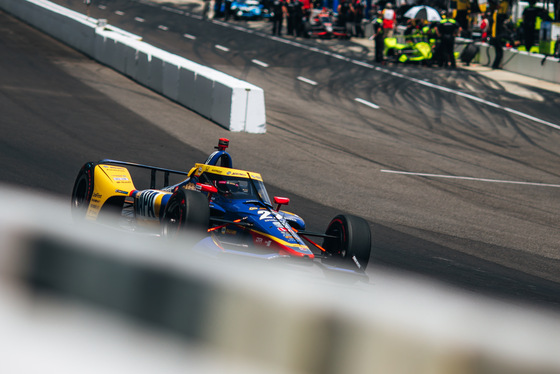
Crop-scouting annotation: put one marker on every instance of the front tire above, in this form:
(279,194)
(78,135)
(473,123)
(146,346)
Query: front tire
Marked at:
(186,211)
(82,191)
(350,245)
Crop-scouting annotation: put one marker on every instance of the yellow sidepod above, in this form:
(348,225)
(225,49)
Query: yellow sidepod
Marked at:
(112,184)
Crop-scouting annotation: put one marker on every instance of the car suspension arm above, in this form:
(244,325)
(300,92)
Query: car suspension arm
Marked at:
(305,234)
(238,222)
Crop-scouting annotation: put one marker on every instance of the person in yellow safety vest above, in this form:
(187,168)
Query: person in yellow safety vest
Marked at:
(463,9)
(378,37)
(417,34)
(530,17)
(412,32)
(429,33)
(447,30)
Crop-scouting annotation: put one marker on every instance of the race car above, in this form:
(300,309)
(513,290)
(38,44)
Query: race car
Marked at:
(243,9)
(247,9)
(227,210)
(416,52)
(322,24)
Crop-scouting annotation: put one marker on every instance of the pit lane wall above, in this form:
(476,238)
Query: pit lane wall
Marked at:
(85,299)
(533,65)
(234,104)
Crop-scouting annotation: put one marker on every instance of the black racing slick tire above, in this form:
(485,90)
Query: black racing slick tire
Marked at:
(349,241)
(82,191)
(187,211)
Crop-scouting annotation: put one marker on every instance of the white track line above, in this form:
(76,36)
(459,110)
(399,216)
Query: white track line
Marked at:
(162,27)
(361,63)
(308,81)
(119,13)
(102,7)
(189,36)
(341,57)
(365,102)
(139,19)
(260,63)
(471,178)
(221,48)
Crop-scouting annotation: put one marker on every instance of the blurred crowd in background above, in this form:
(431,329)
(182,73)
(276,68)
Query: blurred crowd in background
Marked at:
(397,26)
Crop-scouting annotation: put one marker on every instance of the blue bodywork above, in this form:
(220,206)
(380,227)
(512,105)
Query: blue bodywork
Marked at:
(231,209)
(248,9)
(244,9)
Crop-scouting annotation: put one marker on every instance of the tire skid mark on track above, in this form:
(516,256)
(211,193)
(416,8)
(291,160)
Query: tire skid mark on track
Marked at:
(475,179)
(382,70)
(173,10)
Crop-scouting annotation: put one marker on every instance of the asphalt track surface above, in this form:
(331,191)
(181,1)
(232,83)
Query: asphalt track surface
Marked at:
(477,206)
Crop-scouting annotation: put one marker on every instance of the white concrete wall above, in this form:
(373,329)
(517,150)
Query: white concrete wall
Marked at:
(228,101)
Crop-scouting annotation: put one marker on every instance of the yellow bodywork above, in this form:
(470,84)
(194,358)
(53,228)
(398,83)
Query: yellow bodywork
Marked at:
(198,169)
(109,181)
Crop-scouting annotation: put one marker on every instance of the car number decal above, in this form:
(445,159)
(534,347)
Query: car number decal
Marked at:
(266,215)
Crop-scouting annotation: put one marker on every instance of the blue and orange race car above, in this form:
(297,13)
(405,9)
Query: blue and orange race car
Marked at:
(227,209)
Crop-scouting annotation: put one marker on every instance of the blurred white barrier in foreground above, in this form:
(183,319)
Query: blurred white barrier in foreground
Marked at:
(234,104)
(84,299)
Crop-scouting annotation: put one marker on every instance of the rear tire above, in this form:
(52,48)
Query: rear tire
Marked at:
(187,211)
(82,191)
(352,245)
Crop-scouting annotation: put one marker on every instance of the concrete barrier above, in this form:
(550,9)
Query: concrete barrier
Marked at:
(203,89)
(113,49)
(207,90)
(171,76)
(187,92)
(533,65)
